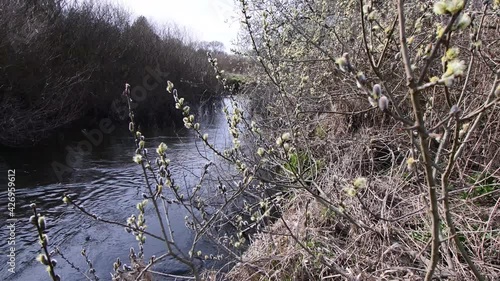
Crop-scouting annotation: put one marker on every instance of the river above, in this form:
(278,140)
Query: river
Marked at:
(107,182)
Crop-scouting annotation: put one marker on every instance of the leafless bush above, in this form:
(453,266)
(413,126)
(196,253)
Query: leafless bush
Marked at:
(367,142)
(403,95)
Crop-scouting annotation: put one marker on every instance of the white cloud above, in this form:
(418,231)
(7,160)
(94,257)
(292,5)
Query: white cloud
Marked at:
(208,20)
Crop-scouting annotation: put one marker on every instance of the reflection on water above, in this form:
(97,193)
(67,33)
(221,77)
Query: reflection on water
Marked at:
(105,182)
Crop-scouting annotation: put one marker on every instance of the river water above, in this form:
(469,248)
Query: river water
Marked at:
(106,182)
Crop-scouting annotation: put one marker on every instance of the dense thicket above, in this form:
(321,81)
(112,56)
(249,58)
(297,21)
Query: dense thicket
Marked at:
(397,103)
(63,62)
(370,142)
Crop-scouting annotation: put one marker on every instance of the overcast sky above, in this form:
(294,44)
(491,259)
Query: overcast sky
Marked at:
(207,20)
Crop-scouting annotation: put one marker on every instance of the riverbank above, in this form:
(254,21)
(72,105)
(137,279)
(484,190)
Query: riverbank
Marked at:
(382,136)
(364,147)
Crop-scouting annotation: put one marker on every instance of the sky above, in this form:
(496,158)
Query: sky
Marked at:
(206,20)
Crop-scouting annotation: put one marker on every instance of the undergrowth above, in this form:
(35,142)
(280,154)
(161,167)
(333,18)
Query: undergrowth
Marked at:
(364,146)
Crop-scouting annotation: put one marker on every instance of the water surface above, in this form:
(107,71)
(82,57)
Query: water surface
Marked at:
(106,182)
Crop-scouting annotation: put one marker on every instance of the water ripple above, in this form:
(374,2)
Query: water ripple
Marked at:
(107,183)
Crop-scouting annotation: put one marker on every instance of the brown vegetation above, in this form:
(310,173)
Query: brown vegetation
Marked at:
(430,156)
(364,148)
(62,62)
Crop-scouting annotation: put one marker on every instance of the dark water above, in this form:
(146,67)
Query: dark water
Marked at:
(106,182)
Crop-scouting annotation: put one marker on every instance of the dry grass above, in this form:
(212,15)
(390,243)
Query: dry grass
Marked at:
(334,125)
(392,205)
